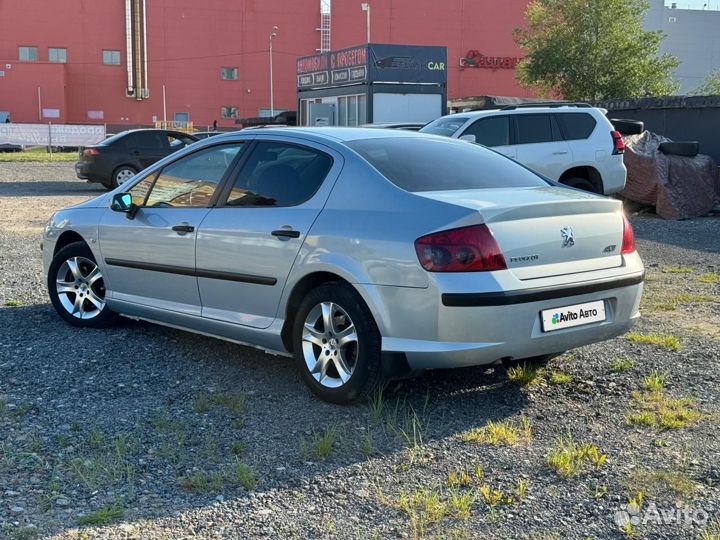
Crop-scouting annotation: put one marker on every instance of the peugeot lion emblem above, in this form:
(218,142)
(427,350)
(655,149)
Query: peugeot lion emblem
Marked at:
(567,237)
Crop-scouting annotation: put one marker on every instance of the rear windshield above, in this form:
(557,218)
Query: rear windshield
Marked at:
(431,164)
(446,126)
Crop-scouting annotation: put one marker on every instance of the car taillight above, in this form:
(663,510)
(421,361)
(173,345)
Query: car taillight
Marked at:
(467,249)
(628,243)
(618,143)
(90,152)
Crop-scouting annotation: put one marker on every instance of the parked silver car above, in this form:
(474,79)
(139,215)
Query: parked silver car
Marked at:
(365,253)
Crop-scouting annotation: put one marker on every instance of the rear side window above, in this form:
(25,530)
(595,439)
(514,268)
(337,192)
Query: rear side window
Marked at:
(418,164)
(279,174)
(493,131)
(535,128)
(576,125)
(446,126)
(144,139)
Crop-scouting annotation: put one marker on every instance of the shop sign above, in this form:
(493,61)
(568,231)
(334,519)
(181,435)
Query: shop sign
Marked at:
(475,59)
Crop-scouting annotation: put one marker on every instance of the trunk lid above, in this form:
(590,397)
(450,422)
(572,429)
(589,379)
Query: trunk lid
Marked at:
(545,231)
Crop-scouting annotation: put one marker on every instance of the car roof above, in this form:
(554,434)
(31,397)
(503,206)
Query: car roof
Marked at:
(335,134)
(525,110)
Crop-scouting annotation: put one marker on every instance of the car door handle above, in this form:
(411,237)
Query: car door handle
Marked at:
(286,233)
(183,228)
(560,153)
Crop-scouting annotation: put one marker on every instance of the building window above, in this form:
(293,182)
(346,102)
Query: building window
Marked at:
(111,58)
(228,112)
(27,53)
(229,73)
(57,54)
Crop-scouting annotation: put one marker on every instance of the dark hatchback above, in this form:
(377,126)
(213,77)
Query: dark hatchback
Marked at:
(117,159)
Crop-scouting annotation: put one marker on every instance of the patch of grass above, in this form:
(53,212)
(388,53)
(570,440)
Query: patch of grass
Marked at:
(37,155)
(677,270)
(376,404)
(671,302)
(653,409)
(12,303)
(320,445)
(567,457)
(505,433)
(711,530)
(709,277)
(245,476)
(423,507)
(10,532)
(664,341)
(201,481)
(655,382)
(234,402)
(413,432)
(367,445)
(458,478)
(521,489)
(460,503)
(559,377)
(621,363)
(103,515)
(494,496)
(660,481)
(236,448)
(525,374)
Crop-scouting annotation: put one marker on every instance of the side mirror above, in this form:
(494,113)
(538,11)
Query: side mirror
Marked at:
(122,202)
(468,138)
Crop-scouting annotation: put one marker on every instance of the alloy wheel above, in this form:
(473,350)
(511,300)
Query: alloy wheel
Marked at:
(123,176)
(80,288)
(330,344)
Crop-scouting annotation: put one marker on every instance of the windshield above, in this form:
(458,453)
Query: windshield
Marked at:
(431,164)
(446,126)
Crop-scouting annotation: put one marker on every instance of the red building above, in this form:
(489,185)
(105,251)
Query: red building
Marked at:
(83,61)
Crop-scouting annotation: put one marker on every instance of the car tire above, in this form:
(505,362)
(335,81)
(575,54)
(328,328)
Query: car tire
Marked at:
(76,287)
(337,368)
(680,148)
(121,175)
(580,183)
(628,127)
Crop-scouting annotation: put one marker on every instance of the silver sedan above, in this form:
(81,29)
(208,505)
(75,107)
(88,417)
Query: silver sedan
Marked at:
(366,254)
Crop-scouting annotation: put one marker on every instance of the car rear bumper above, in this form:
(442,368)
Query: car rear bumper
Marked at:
(482,328)
(84,171)
(614,175)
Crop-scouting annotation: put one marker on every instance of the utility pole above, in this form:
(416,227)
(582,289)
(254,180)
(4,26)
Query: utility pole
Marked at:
(273,34)
(366,8)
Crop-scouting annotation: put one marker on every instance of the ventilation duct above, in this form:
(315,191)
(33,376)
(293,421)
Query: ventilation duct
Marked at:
(136,46)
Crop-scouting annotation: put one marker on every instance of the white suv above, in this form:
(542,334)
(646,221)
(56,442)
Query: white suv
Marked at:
(572,143)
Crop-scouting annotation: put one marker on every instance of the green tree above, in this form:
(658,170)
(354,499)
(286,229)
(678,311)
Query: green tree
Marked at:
(710,85)
(593,50)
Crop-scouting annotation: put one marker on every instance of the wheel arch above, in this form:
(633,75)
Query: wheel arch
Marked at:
(588,172)
(67,238)
(315,279)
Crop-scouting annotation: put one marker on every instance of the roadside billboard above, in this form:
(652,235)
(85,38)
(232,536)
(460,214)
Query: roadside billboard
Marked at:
(51,134)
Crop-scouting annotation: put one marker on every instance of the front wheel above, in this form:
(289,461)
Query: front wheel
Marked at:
(77,288)
(337,344)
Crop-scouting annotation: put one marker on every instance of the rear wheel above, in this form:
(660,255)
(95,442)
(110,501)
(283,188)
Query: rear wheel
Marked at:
(77,288)
(121,175)
(337,344)
(581,183)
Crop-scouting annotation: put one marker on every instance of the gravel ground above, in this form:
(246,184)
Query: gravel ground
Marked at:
(147,432)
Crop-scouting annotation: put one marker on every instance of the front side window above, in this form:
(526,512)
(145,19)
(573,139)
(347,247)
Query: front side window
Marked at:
(228,112)
(229,73)
(29,54)
(423,164)
(446,126)
(191,181)
(111,57)
(493,131)
(279,174)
